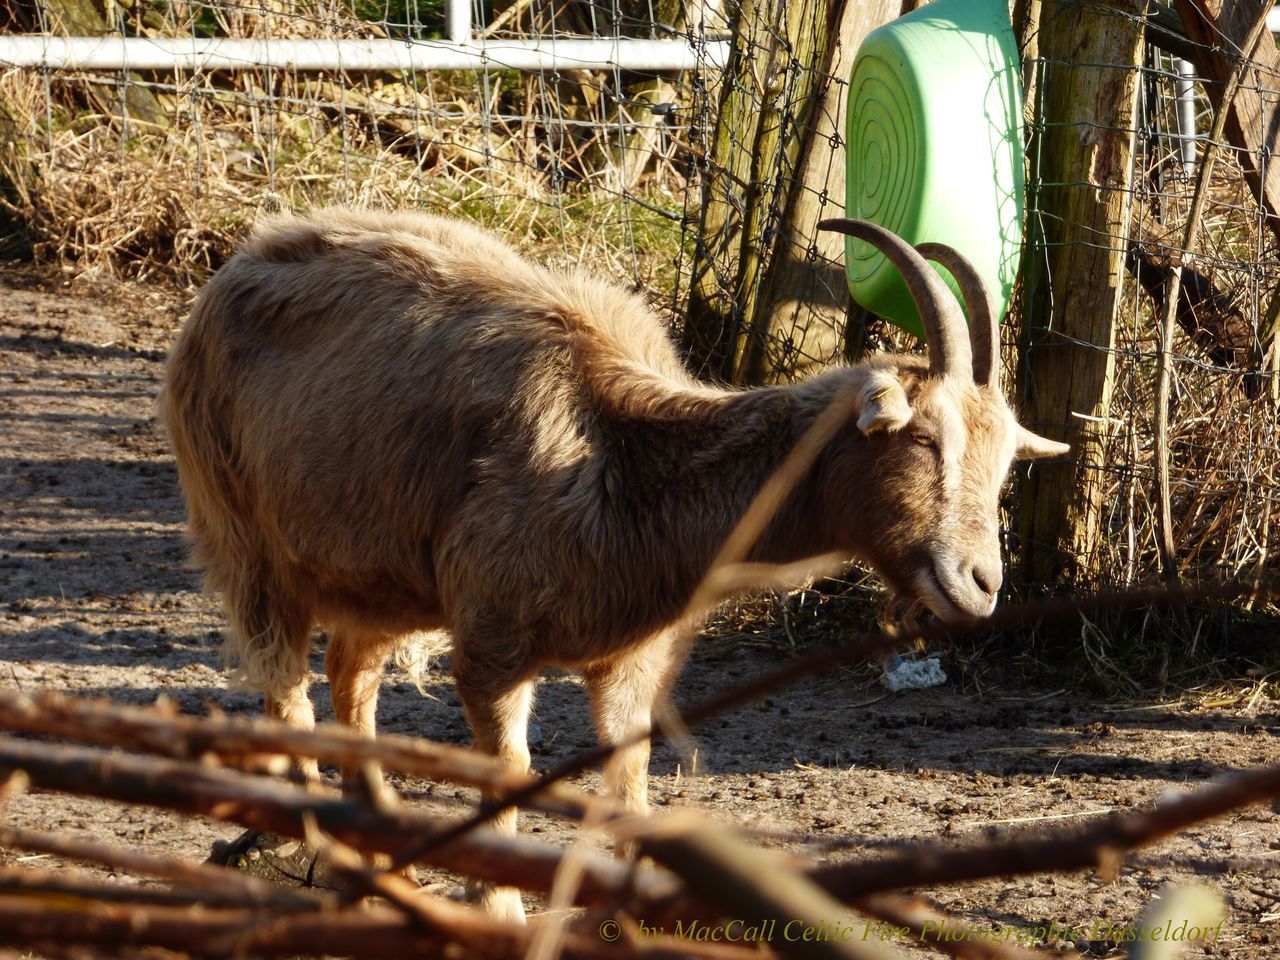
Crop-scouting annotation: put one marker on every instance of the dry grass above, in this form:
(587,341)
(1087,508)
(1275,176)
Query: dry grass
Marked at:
(91,205)
(569,170)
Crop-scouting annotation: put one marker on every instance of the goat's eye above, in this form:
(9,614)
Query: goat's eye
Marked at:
(924,440)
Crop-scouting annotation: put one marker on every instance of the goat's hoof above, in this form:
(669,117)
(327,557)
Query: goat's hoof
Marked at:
(288,862)
(500,903)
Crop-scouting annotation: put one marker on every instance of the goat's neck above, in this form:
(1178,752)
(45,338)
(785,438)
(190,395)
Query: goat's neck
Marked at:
(713,459)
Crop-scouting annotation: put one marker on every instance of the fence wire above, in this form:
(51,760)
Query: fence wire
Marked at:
(1222,447)
(136,175)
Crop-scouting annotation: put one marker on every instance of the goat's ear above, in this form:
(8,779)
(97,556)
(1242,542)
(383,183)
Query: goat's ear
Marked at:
(883,404)
(1032,446)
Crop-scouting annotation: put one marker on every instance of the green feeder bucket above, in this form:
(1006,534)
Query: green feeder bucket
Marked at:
(934,134)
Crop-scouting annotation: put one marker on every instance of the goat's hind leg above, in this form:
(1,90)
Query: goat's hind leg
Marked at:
(354,662)
(269,644)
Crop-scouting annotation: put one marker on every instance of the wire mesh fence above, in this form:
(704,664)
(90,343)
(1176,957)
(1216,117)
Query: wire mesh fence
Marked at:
(704,186)
(134,173)
(1221,446)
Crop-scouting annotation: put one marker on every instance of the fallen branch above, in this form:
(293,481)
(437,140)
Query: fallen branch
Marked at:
(259,744)
(1213,321)
(269,806)
(1099,845)
(374,933)
(477,933)
(215,881)
(43,885)
(434,928)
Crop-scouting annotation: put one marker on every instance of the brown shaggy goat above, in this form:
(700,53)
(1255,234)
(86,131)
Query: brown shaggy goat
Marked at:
(391,423)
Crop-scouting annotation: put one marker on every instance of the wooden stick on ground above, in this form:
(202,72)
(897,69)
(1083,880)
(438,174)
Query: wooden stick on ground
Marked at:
(374,933)
(56,884)
(219,882)
(476,932)
(261,744)
(273,807)
(1098,845)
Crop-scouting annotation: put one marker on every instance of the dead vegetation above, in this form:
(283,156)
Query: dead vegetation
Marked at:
(98,192)
(98,186)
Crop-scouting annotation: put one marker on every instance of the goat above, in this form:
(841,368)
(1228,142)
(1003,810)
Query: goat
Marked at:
(390,423)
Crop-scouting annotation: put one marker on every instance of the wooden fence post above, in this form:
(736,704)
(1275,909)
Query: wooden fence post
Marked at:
(805,301)
(1219,28)
(773,84)
(1077,225)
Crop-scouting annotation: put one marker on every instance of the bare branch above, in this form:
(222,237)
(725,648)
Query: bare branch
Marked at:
(273,807)
(50,883)
(1098,844)
(212,880)
(252,743)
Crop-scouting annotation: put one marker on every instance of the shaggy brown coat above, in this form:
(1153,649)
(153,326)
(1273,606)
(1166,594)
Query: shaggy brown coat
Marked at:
(387,424)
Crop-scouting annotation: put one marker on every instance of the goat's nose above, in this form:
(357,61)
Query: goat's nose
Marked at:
(988,577)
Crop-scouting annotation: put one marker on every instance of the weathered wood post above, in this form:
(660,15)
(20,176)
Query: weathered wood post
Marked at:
(1219,28)
(757,136)
(1081,155)
(805,302)
(775,101)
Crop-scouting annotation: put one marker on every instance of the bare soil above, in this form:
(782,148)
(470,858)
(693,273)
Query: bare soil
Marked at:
(96,599)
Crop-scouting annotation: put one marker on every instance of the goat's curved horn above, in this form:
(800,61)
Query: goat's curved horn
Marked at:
(984,325)
(944,326)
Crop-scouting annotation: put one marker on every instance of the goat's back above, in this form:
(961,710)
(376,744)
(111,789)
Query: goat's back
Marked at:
(351,386)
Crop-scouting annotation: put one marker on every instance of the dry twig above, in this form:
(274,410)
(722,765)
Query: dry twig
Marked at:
(259,744)
(271,807)
(1099,845)
(230,884)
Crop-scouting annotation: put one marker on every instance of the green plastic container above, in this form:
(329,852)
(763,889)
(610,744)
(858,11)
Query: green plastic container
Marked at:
(934,134)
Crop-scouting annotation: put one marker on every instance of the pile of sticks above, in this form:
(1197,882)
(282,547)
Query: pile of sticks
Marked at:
(228,768)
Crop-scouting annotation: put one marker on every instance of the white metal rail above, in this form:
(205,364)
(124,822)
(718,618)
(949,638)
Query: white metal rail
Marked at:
(460,52)
(220,53)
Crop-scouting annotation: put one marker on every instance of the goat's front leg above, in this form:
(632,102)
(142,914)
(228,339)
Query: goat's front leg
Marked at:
(623,691)
(497,706)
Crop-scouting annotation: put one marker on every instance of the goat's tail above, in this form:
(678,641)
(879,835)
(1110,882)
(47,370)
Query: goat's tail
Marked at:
(266,647)
(415,652)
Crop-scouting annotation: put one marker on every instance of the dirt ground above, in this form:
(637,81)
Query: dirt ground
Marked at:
(95,599)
